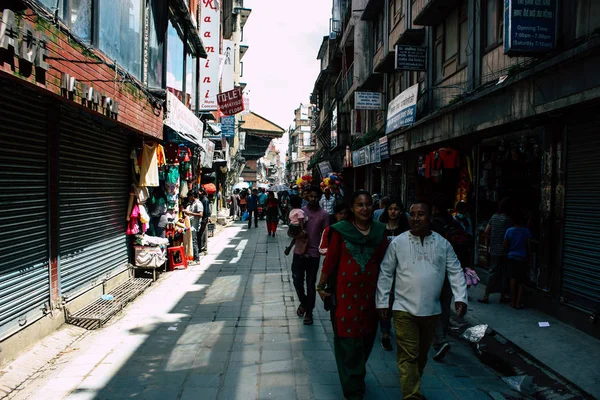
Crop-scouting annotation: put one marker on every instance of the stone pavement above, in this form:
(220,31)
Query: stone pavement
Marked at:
(560,347)
(227,329)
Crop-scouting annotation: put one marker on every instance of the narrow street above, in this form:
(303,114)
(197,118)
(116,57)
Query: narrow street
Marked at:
(227,329)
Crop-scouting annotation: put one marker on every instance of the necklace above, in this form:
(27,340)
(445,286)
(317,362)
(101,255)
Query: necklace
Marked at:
(360,229)
(393,229)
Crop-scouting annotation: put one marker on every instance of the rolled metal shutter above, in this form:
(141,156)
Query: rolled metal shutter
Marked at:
(94,191)
(24,230)
(581,249)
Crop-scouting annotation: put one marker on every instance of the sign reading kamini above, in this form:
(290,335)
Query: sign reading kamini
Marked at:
(209,68)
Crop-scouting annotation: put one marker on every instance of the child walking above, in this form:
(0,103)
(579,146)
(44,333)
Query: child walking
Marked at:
(297,219)
(517,242)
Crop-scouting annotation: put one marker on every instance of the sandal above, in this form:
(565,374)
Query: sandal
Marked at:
(308,319)
(505,299)
(301,311)
(484,301)
(518,307)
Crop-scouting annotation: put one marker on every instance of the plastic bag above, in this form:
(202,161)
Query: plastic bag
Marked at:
(521,383)
(245,216)
(475,333)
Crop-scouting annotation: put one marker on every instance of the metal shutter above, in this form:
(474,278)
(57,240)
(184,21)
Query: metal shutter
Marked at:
(581,248)
(24,259)
(94,191)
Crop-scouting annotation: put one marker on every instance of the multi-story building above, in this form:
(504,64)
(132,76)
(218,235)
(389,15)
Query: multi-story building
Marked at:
(81,84)
(301,142)
(474,101)
(269,166)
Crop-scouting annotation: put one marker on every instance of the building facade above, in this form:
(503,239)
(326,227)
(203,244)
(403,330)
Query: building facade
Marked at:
(504,105)
(301,142)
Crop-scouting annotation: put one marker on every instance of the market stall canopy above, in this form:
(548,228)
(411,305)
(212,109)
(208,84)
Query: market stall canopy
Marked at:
(183,121)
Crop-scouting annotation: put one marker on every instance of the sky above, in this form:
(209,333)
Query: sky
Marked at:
(281,66)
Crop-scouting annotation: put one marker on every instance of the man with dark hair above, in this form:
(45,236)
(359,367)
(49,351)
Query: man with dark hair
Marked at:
(195,210)
(252,201)
(420,260)
(305,265)
(203,235)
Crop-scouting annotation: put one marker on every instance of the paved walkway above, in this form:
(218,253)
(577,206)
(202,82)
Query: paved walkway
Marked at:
(227,329)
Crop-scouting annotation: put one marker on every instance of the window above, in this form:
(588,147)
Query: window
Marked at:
(494,22)
(174,59)
(450,35)
(392,5)
(398,7)
(306,141)
(451,41)
(120,33)
(77,14)
(379,31)
(190,81)
(157,30)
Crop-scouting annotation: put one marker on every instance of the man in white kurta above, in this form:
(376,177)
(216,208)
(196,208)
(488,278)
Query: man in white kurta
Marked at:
(419,260)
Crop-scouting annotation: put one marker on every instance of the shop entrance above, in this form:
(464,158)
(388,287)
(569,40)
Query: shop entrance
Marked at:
(24,236)
(581,253)
(509,166)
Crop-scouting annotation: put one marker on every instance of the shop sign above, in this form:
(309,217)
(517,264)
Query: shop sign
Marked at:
(356,158)
(242,140)
(334,134)
(402,110)
(228,126)
(209,68)
(530,26)
(227,75)
(207,160)
(397,144)
(182,120)
(325,168)
(368,101)
(363,157)
(29,45)
(231,102)
(90,97)
(246,103)
(411,58)
(383,148)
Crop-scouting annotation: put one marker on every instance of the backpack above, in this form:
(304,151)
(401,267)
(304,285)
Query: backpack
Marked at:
(453,231)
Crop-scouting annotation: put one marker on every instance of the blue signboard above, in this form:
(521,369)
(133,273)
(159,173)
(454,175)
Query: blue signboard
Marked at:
(402,111)
(529,26)
(228,126)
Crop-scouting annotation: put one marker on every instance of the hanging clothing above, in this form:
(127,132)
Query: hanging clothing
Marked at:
(172,153)
(172,185)
(152,157)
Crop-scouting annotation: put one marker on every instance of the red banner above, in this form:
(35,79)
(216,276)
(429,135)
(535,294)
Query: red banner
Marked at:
(231,102)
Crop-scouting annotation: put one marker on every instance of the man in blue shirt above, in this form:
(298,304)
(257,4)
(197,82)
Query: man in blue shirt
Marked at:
(252,201)
(262,197)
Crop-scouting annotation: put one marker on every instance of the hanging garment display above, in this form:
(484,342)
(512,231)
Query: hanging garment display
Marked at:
(152,157)
(172,153)
(172,186)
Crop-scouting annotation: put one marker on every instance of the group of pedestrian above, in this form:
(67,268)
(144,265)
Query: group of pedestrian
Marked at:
(510,254)
(391,271)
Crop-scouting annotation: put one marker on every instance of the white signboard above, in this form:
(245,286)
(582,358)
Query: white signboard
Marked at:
(228,58)
(209,145)
(182,120)
(402,111)
(368,101)
(209,67)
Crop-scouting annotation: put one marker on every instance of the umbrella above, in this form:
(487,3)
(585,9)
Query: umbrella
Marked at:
(241,185)
(263,185)
(279,188)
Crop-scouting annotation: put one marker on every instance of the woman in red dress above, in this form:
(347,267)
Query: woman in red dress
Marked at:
(272,213)
(349,277)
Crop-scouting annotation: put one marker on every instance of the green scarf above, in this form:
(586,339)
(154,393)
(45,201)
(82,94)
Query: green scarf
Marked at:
(360,246)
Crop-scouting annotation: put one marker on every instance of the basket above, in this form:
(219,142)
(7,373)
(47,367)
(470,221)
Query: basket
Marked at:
(211,229)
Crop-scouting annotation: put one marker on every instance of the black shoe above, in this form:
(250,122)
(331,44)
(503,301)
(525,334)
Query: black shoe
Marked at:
(386,344)
(441,352)
(308,319)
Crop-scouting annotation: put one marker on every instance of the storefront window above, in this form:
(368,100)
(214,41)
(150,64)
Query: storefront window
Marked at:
(120,33)
(156,42)
(190,81)
(80,18)
(174,59)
